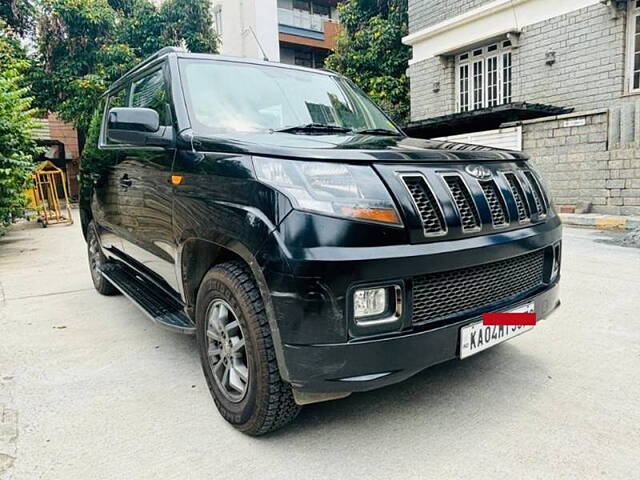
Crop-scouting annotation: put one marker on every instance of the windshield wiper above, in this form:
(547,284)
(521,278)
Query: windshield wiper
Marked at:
(378,131)
(313,127)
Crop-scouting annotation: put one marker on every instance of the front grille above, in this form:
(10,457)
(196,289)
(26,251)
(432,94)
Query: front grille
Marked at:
(537,193)
(440,296)
(469,218)
(499,215)
(427,205)
(518,196)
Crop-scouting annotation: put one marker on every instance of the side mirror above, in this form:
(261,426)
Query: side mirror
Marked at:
(137,126)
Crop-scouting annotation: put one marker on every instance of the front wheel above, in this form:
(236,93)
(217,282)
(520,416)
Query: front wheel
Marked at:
(237,352)
(96,261)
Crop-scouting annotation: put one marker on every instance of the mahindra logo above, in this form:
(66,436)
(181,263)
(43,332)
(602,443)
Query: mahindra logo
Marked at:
(478,171)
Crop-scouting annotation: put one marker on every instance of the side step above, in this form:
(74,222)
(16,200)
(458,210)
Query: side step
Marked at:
(163,310)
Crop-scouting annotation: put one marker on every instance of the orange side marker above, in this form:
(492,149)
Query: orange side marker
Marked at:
(176,179)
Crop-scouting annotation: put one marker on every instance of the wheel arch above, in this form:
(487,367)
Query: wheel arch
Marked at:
(198,255)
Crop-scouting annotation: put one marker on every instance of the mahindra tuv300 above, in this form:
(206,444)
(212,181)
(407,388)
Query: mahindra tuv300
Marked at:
(311,246)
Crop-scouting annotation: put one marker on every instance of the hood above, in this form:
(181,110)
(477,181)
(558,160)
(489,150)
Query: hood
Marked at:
(349,147)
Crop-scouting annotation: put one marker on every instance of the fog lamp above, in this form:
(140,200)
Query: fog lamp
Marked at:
(368,302)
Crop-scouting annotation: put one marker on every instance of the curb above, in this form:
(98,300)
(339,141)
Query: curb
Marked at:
(602,222)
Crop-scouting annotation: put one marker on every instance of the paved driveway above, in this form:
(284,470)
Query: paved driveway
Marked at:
(89,388)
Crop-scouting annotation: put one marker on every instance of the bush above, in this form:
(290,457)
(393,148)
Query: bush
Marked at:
(17,148)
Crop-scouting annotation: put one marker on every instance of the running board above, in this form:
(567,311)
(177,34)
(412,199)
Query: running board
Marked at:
(163,310)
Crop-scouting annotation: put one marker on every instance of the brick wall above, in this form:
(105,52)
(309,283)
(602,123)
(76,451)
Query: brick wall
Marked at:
(578,166)
(65,133)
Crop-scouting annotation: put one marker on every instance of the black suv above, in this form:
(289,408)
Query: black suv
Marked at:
(312,247)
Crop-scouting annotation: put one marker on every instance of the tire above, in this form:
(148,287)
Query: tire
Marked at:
(96,261)
(266,402)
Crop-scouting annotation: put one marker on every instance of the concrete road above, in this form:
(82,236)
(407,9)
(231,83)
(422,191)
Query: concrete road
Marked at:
(92,389)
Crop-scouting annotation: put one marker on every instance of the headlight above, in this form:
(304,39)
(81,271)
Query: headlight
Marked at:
(342,190)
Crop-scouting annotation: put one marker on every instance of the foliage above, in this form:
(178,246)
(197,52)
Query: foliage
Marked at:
(18,15)
(17,148)
(85,45)
(370,51)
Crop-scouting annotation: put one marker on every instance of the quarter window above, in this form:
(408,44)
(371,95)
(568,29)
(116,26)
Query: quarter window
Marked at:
(633,58)
(483,77)
(116,99)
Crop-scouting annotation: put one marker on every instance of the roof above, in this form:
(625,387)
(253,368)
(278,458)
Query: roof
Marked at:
(482,119)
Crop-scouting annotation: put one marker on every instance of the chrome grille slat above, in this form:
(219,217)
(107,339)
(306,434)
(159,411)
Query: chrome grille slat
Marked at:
(537,193)
(469,217)
(518,196)
(433,223)
(499,213)
(443,295)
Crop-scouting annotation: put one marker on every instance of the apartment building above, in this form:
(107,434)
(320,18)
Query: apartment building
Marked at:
(299,32)
(559,79)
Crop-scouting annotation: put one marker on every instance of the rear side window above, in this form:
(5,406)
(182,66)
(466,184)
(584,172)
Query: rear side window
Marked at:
(151,92)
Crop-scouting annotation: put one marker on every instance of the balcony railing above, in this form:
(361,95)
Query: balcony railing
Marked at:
(301,19)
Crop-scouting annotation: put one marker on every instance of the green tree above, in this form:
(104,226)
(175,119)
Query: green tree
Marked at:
(85,45)
(17,15)
(370,51)
(17,148)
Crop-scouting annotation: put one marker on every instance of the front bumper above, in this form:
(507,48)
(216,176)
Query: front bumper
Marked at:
(318,346)
(366,365)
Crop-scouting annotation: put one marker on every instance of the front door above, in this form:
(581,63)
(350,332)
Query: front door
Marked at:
(146,193)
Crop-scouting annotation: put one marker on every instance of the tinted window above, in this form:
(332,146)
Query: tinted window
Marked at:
(119,98)
(151,92)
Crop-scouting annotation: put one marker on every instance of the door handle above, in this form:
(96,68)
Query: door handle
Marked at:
(125,181)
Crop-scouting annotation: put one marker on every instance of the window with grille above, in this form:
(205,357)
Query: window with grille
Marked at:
(633,58)
(483,77)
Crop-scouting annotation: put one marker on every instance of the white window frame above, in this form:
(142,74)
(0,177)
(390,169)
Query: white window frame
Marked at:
(481,56)
(217,19)
(632,14)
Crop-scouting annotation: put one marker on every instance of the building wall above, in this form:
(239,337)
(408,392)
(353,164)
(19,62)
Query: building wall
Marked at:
(588,71)
(424,13)
(591,156)
(238,16)
(579,165)
(52,128)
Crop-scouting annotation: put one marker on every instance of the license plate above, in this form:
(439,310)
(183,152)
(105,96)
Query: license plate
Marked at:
(477,337)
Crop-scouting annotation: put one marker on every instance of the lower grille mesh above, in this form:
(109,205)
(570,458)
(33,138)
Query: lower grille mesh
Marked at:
(439,296)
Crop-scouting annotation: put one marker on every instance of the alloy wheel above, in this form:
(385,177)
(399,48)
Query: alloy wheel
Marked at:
(226,351)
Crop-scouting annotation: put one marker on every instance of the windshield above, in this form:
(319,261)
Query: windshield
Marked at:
(225,97)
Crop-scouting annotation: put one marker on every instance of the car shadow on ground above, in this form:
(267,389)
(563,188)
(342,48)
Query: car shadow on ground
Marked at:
(450,389)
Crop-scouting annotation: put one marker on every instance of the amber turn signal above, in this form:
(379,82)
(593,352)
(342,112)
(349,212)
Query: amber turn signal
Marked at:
(385,215)
(176,179)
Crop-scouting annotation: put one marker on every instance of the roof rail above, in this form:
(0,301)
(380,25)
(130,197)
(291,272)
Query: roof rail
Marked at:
(164,51)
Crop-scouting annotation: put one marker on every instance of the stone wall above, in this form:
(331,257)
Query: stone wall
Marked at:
(580,165)
(423,13)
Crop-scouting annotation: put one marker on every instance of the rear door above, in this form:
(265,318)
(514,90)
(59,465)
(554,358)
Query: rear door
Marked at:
(146,192)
